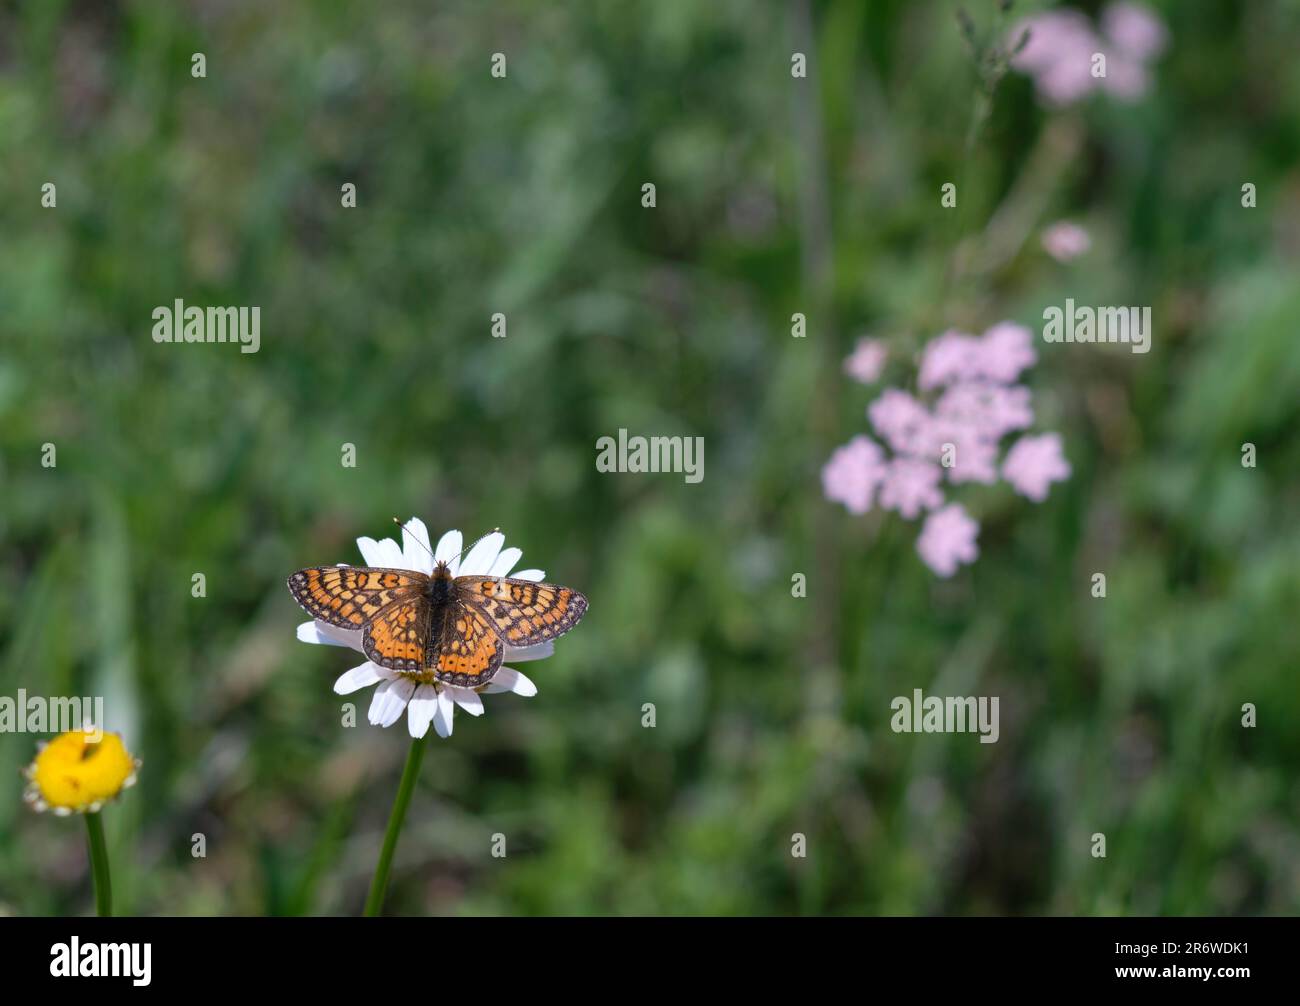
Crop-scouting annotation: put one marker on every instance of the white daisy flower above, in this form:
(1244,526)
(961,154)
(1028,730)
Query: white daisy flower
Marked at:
(433,703)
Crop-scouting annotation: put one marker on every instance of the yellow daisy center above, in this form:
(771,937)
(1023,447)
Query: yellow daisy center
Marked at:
(76,771)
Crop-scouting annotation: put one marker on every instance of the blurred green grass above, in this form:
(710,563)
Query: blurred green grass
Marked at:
(522,196)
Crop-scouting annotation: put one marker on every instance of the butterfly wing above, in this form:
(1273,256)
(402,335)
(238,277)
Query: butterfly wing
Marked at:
(398,636)
(467,651)
(349,596)
(524,613)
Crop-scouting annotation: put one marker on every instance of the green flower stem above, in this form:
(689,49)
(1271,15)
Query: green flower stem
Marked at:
(378,886)
(99,865)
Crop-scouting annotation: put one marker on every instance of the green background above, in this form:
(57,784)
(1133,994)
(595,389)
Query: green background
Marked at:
(523,196)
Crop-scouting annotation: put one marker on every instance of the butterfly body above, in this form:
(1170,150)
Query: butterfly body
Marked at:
(436,627)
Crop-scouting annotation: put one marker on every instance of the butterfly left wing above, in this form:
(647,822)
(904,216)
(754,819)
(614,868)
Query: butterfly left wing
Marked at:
(398,636)
(349,596)
(467,651)
(525,613)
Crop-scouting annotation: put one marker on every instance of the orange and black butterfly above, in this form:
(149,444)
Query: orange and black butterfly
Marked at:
(437,627)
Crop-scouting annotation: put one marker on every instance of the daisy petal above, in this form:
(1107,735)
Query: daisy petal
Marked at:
(449,546)
(361,676)
(507,679)
(416,552)
(378,701)
(536,575)
(390,699)
(442,718)
(390,555)
(319,632)
(468,700)
(539,652)
(370,551)
(482,555)
(505,562)
(419,713)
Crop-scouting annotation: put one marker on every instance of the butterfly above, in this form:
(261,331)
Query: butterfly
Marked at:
(437,627)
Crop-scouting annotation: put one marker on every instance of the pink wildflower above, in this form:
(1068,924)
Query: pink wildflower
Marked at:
(1004,351)
(1065,241)
(990,410)
(866,361)
(852,474)
(902,421)
(1135,29)
(947,539)
(950,357)
(910,486)
(1034,463)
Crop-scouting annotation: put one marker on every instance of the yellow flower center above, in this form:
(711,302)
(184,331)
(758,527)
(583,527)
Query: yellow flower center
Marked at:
(76,771)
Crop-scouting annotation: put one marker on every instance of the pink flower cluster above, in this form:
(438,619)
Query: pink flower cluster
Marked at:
(1062,44)
(1066,241)
(973,401)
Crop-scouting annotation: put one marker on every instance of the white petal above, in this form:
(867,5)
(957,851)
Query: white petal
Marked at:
(361,676)
(331,635)
(419,714)
(390,699)
(482,555)
(449,546)
(415,547)
(530,574)
(315,632)
(378,700)
(370,551)
(468,700)
(505,562)
(390,555)
(539,652)
(442,718)
(507,679)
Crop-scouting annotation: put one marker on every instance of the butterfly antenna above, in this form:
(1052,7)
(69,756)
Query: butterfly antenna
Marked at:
(476,541)
(417,539)
(426,547)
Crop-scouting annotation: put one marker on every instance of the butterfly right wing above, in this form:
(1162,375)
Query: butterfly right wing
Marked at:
(523,612)
(467,650)
(350,596)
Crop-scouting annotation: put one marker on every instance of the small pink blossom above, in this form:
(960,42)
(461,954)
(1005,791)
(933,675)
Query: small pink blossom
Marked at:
(1058,55)
(947,539)
(1004,351)
(952,356)
(910,486)
(965,453)
(902,421)
(1065,241)
(1034,463)
(866,361)
(1062,44)
(1126,79)
(999,355)
(853,472)
(1135,29)
(990,410)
